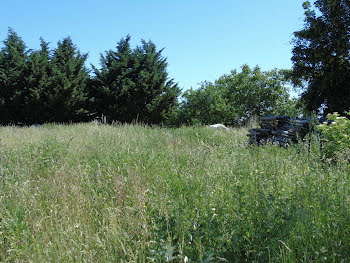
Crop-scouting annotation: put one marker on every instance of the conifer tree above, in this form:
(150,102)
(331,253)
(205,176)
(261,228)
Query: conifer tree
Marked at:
(67,93)
(13,57)
(37,97)
(133,85)
(113,82)
(154,94)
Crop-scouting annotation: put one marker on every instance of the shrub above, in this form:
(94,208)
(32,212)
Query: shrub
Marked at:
(335,136)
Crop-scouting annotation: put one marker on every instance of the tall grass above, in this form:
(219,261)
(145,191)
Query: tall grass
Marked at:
(129,193)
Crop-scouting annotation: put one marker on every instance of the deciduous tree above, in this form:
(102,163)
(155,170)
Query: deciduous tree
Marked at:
(321,56)
(236,97)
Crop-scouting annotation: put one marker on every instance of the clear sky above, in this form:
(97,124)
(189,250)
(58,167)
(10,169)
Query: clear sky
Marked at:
(203,39)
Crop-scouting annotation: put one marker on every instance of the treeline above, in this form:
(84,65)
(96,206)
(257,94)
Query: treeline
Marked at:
(39,86)
(54,85)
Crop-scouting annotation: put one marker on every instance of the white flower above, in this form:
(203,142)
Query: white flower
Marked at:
(185,259)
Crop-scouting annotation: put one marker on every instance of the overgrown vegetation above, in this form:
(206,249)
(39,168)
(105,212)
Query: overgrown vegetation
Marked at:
(335,136)
(129,193)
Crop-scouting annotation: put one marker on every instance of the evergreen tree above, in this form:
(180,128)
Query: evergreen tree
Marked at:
(154,95)
(321,56)
(37,97)
(113,82)
(134,85)
(13,57)
(67,93)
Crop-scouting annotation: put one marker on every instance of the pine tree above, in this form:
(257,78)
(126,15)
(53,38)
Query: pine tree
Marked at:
(67,94)
(321,56)
(13,57)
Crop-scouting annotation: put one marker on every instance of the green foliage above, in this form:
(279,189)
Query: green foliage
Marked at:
(67,93)
(155,94)
(109,87)
(336,136)
(54,86)
(235,98)
(133,85)
(206,105)
(321,62)
(37,87)
(13,57)
(38,78)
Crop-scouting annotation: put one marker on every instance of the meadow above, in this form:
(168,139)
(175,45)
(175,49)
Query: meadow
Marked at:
(132,193)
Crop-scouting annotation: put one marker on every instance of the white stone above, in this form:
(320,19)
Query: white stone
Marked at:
(219,126)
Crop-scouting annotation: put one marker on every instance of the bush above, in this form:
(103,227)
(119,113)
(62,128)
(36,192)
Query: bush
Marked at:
(336,136)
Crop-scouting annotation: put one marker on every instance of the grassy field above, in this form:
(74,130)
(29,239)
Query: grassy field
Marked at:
(102,193)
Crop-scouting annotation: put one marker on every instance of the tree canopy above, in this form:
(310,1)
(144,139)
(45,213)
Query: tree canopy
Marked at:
(321,56)
(236,97)
(38,77)
(38,86)
(13,86)
(133,85)
(68,83)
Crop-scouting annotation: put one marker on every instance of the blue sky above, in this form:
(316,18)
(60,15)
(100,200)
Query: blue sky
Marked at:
(203,39)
